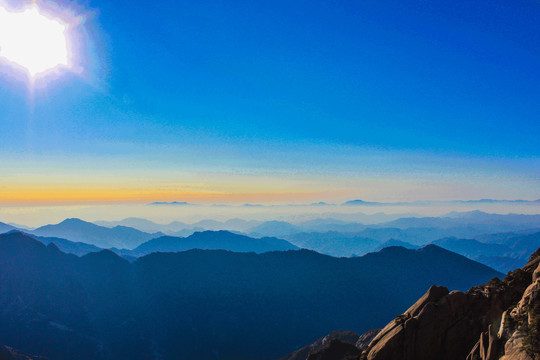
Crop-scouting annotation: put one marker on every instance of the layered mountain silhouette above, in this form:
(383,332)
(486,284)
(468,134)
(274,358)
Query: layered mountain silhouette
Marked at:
(394,242)
(177,228)
(215,240)
(496,321)
(211,240)
(469,233)
(503,252)
(457,231)
(69,247)
(200,304)
(283,228)
(440,202)
(275,228)
(145,225)
(81,231)
(4,228)
(476,221)
(334,243)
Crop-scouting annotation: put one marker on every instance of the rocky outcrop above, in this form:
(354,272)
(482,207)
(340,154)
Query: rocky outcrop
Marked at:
(365,339)
(335,339)
(518,334)
(338,344)
(495,321)
(483,323)
(336,350)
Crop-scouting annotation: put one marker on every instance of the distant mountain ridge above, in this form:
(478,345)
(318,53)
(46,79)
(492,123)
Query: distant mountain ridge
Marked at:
(206,240)
(503,251)
(4,228)
(212,240)
(275,228)
(81,231)
(178,228)
(489,223)
(439,202)
(174,203)
(144,225)
(504,255)
(67,246)
(326,235)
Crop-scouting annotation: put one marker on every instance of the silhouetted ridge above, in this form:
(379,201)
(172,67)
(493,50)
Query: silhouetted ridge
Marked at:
(77,221)
(77,230)
(18,240)
(6,227)
(104,257)
(211,240)
(53,247)
(192,304)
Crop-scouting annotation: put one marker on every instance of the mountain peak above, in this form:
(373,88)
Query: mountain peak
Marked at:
(74,221)
(104,257)
(53,247)
(78,230)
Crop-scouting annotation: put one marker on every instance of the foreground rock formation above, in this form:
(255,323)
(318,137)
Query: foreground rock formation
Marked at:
(495,321)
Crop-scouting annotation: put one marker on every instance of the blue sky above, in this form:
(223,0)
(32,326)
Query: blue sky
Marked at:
(374,88)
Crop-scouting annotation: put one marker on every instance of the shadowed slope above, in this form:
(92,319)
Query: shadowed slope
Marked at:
(197,303)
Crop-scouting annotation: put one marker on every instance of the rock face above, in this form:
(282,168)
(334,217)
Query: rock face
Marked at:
(483,323)
(518,335)
(495,321)
(338,344)
(336,350)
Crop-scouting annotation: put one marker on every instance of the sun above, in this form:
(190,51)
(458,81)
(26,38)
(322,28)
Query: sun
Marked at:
(33,41)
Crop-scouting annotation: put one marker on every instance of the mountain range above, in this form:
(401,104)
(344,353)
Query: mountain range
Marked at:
(415,230)
(81,231)
(490,222)
(439,202)
(461,224)
(4,228)
(503,255)
(180,228)
(470,234)
(211,240)
(199,303)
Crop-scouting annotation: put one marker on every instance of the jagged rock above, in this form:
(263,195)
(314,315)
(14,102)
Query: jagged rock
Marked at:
(440,326)
(521,330)
(486,348)
(447,326)
(344,337)
(366,338)
(337,342)
(336,349)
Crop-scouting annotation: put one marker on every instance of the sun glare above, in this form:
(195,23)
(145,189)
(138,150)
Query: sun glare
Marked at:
(33,40)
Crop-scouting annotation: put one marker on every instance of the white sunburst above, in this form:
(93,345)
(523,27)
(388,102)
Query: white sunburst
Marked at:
(33,41)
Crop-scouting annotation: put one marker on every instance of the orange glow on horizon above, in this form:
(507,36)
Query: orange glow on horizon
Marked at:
(72,195)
